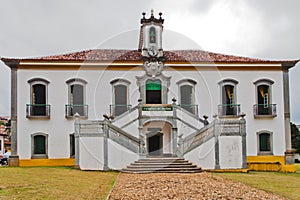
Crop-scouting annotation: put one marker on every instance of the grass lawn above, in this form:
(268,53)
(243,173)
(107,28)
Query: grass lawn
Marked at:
(68,183)
(284,184)
(54,183)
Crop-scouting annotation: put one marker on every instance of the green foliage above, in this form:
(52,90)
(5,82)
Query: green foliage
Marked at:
(295,137)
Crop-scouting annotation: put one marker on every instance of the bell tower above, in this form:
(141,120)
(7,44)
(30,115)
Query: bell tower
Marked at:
(151,36)
(150,44)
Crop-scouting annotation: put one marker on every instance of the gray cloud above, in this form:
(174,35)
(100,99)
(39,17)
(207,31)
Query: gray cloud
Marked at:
(265,29)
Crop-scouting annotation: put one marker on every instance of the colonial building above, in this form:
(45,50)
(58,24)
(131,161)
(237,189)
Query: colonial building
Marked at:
(106,108)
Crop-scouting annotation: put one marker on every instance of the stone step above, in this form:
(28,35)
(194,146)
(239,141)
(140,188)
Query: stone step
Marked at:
(162,163)
(162,166)
(163,170)
(158,164)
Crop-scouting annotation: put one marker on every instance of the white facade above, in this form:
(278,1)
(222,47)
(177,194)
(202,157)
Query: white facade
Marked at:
(218,86)
(207,95)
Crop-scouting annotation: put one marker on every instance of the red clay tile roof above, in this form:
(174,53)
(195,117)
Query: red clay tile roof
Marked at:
(135,55)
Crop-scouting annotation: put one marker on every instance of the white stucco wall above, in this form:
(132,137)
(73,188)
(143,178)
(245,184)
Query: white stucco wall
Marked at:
(99,97)
(230,148)
(119,157)
(91,156)
(204,155)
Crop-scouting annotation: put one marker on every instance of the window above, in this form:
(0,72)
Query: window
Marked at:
(153,92)
(38,106)
(39,145)
(152,35)
(187,95)
(264,143)
(72,145)
(263,106)
(76,96)
(120,97)
(228,98)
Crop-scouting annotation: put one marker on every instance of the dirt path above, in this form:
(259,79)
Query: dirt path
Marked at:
(183,186)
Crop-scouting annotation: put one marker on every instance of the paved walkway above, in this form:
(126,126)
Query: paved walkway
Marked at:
(183,186)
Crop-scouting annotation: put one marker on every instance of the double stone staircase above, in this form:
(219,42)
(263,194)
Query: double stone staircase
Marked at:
(162,164)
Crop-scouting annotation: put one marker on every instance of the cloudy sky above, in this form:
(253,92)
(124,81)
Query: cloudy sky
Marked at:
(268,29)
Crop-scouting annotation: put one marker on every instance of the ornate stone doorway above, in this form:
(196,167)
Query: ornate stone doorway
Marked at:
(158,138)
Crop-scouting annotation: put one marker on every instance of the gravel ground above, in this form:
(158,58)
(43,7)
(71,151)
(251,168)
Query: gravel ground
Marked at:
(183,186)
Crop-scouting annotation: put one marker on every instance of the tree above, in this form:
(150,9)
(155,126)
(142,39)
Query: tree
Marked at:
(295,137)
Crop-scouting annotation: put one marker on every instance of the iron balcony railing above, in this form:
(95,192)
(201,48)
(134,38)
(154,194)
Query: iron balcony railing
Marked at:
(265,110)
(190,108)
(72,109)
(229,110)
(118,109)
(37,110)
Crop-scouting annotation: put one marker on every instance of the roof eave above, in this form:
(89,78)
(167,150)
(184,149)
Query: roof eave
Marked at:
(11,62)
(286,65)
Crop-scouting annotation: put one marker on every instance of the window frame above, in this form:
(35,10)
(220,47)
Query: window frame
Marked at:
(259,152)
(114,83)
(269,83)
(152,29)
(72,145)
(70,83)
(235,106)
(192,83)
(33,154)
(32,82)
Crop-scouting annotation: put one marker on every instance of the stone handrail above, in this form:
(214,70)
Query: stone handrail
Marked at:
(96,128)
(197,138)
(188,113)
(123,138)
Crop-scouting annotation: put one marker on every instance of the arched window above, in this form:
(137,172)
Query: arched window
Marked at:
(187,95)
(264,106)
(120,97)
(39,145)
(228,104)
(38,106)
(152,35)
(76,104)
(264,142)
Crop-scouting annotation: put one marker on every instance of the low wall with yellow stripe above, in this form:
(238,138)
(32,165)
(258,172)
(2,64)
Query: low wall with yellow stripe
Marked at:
(269,163)
(46,162)
(256,163)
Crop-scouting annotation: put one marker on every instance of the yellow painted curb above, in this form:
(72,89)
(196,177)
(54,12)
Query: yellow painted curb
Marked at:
(46,162)
(228,170)
(269,163)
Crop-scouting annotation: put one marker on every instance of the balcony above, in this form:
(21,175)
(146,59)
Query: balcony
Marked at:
(118,109)
(38,111)
(231,110)
(264,110)
(190,108)
(71,110)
